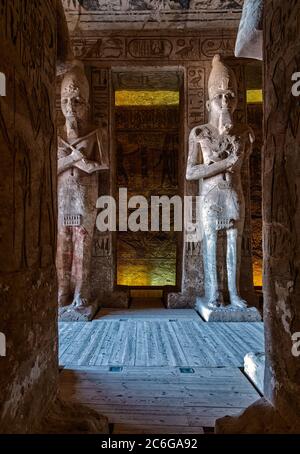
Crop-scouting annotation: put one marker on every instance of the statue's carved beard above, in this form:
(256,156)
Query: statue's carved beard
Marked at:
(225,121)
(74,126)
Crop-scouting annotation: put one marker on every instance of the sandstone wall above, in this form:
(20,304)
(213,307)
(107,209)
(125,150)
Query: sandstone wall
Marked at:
(281,208)
(28,302)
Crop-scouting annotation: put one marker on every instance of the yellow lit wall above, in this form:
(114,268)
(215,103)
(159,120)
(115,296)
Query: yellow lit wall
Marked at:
(146,98)
(257,273)
(254,96)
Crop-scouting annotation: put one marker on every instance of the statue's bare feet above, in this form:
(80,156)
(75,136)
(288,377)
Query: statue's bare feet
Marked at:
(79,302)
(237,301)
(215,300)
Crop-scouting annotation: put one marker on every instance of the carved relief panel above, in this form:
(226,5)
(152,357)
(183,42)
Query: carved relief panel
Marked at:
(192,52)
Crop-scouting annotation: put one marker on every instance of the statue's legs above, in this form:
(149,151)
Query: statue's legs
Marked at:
(83,242)
(64,257)
(234,242)
(212,293)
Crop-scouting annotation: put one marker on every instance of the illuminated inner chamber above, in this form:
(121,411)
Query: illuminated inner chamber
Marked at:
(147,146)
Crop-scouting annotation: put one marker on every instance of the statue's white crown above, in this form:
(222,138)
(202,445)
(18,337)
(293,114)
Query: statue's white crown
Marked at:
(222,78)
(75,81)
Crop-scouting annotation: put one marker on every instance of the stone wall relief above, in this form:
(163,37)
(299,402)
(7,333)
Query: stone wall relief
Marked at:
(168,48)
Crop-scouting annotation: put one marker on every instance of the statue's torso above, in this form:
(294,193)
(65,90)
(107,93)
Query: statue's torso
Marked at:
(222,198)
(78,190)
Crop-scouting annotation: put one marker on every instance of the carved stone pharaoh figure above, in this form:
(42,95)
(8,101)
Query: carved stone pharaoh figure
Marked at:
(217,152)
(80,157)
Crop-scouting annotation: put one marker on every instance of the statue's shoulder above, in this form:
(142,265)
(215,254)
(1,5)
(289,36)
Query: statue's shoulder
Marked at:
(200,132)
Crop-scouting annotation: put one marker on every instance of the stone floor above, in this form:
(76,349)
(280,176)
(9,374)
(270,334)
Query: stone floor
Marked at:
(153,370)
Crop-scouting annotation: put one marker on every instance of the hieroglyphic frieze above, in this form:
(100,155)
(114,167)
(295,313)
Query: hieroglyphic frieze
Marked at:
(211,46)
(170,48)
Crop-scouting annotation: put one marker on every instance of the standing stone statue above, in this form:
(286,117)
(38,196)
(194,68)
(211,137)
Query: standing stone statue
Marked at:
(217,152)
(80,158)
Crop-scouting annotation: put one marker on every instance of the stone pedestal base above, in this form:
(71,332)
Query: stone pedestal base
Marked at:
(254,368)
(117,299)
(226,313)
(74,314)
(179,300)
(259,418)
(72,418)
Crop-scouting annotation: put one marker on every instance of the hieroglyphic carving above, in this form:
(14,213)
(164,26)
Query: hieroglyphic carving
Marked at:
(147,163)
(146,80)
(102,246)
(30,234)
(224,47)
(187,48)
(106,48)
(100,101)
(149,48)
(170,48)
(147,119)
(196,95)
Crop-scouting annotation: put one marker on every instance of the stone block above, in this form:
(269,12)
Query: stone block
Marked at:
(78,314)
(179,300)
(227,313)
(117,299)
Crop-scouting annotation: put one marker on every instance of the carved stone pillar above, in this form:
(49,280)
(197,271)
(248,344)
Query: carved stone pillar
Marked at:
(279,411)
(103,266)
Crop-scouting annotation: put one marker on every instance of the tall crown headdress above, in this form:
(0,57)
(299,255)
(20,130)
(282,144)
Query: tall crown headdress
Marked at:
(75,81)
(222,78)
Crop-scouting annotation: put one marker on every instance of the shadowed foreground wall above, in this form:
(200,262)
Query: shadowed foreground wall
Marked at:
(28,373)
(281,207)
(279,410)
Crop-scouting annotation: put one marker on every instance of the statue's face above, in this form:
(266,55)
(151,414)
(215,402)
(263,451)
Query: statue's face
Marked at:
(224,101)
(74,105)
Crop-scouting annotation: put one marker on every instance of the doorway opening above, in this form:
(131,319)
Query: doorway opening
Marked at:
(148,146)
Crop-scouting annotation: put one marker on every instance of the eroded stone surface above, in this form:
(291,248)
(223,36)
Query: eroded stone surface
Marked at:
(28,287)
(281,213)
(259,418)
(65,417)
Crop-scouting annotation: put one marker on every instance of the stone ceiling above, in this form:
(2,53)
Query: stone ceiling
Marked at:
(91,15)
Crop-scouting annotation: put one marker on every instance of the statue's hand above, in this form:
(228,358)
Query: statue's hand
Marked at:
(232,159)
(77,155)
(90,166)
